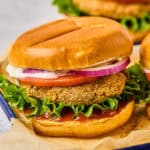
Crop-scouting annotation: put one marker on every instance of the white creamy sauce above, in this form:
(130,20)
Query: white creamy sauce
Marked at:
(18,73)
(106,62)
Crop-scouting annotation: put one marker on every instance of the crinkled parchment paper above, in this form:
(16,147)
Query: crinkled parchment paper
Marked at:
(136,131)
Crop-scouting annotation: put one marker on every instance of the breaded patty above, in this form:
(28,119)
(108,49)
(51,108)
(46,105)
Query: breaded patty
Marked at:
(112,9)
(89,93)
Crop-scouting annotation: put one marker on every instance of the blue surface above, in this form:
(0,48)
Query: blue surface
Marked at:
(7,110)
(138,147)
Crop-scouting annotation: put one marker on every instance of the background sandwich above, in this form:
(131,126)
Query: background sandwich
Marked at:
(133,14)
(69,77)
(145,63)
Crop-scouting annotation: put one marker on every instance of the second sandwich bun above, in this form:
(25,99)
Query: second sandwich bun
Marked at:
(83,41)
(145,63)
(145,53)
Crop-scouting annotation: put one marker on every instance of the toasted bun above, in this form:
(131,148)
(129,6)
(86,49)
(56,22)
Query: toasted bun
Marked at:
(70,43)
(145,52)
(139,36)
(86,129)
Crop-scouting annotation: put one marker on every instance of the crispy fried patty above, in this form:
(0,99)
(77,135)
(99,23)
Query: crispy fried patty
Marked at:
(111,9)
(89,93)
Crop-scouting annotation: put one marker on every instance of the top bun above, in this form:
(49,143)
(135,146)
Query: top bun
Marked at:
(145,52)
(70,44)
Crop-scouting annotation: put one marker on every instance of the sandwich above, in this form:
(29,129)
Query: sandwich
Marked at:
(145,64)
(134,15)
(69,77)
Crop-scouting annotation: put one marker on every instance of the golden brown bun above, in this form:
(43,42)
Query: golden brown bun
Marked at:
(86,129)
(70,43)
(145,52)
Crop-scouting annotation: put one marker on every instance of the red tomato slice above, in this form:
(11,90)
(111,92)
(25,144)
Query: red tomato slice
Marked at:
(63,81)
(147,76)
(132,1)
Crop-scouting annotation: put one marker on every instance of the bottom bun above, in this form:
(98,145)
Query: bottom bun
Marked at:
(139,36)
(91,128)
(21,116)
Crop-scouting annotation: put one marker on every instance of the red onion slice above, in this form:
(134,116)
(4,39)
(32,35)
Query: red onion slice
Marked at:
(97,71)
(34,71)
(100,71)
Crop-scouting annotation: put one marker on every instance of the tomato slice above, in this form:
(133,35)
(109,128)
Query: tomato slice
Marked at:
(148,76)
(132,1)
(63,81)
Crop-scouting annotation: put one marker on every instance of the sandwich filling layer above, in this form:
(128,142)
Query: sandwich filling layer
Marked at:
(21,97)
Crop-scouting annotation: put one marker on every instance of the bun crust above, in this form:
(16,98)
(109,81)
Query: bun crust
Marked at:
(70,43)
(86,129)
(145,52)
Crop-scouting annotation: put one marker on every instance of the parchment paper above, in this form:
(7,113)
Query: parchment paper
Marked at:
(136,131)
